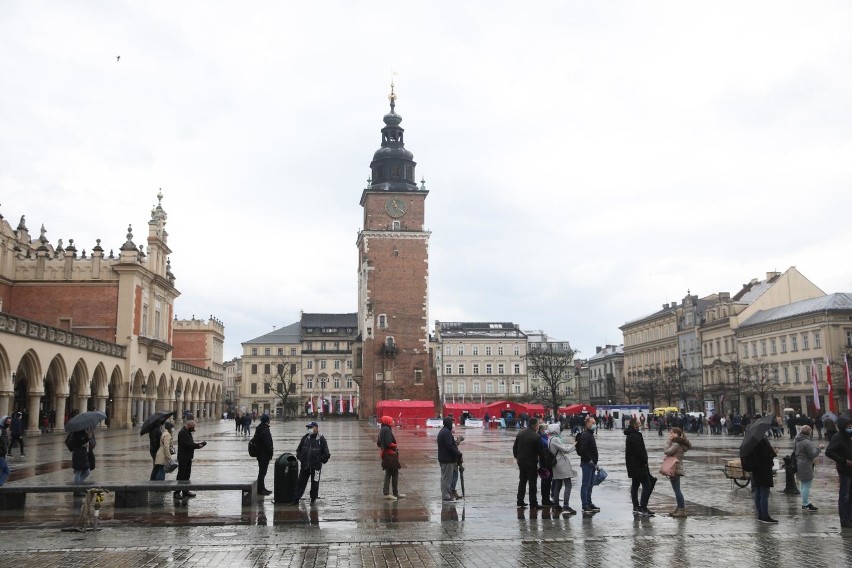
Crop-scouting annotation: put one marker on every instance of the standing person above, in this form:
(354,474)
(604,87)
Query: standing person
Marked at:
(546,462)
(525,451)
(830,428)
(247,420)
(678,445)
(164,452)
(312,453)
(17,432)
(587,449)
(390,458)
(562,471)
(806,452)
(185,454)
(154,436)
(4,448)
(449,458)
(762,459)
(265,450)
(636,459)
(840,450)
(82,442)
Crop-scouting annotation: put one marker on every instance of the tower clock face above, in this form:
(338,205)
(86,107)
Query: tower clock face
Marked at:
(395,207)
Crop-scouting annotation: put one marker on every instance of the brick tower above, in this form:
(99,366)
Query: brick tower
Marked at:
(392,355)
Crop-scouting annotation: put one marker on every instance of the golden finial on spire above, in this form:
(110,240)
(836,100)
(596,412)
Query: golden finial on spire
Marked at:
(392,95)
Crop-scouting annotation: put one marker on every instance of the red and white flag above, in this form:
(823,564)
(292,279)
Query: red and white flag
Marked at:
(350,403)
(320,403)
(832,404)
(816,387)
(848,382)
(311,405)
(340,404)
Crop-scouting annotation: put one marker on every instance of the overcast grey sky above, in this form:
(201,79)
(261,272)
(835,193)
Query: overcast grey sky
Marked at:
(586,161)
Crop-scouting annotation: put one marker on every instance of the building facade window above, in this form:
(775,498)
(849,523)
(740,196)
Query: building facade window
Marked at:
(448,350)
(783,345)
(805,341)
(266,368)
(489,387)
(461,387)
(501,369)
(476,387)
(488,368)
(310,364)
(461,349)
(501,387)
(772,347)
(418,376)
(517,368)
(461,368)
(337,364)
(322,364)
(488,350)
(516,387)
(499,350)
(474,350)
(254,350)
(476,368)
(448,369)
(448,387)
(817,340)
(516,350)
(254,368)
(794,343)
(336,381)
(254,388)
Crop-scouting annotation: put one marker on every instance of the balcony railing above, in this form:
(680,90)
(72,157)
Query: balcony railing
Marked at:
(34,330)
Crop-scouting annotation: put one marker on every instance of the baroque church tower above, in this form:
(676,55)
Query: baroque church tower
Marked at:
(392,356)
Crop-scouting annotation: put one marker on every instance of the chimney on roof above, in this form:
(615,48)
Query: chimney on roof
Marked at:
(725,296)
(753,281)
(771,275)
(598,349)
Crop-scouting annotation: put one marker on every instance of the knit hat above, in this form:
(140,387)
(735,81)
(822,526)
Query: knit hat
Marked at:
(387,420)
(264,419)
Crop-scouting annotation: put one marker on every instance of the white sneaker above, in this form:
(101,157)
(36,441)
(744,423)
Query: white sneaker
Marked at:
(400,496)
(390,497)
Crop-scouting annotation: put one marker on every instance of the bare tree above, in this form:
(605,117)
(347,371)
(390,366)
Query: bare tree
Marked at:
(760,379)
(555,369)
(734,385)
(631,386)
(283,383)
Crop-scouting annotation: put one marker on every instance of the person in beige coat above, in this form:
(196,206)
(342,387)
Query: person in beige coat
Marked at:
(678,445)
(164,453)
(562,471)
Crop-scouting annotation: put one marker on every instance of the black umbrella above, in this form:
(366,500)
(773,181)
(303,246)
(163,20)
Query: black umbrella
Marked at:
(153,420)
(755,433)
(85,420)
(461,479)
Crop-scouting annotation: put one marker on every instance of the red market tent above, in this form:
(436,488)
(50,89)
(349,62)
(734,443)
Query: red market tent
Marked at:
(477,410)
(407,413)
(577,409)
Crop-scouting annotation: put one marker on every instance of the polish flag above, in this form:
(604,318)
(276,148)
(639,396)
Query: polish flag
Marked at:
(816,387)
(311,405)
(848,382)
(340,404)
(350,403)
(832,404)
(320,403)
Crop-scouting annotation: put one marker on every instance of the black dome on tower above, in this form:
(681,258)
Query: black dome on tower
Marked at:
(393,166)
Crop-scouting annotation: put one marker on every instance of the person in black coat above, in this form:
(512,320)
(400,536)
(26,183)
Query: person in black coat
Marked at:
(185,454)
(526,452)
(636,460)
(587,449)
(449,458)
(263,438)
(312,453)
(763,459)
(840,450)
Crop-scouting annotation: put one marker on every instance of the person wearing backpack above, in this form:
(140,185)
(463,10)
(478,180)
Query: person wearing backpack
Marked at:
(804,453)
(263,441)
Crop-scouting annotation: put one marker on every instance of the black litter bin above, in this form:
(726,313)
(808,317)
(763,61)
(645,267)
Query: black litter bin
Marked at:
(286,478)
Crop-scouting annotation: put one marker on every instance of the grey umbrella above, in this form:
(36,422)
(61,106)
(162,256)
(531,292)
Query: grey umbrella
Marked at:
(755,433)
(85,420)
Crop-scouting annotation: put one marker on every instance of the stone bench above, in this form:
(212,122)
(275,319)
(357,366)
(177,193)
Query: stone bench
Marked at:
(127,494)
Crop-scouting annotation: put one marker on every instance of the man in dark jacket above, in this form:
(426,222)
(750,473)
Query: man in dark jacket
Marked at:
(17,431)
(449,457)
(4,448)
(526,452)
(840,450)
(312,453)
(587,449)
(185,454)
(263,439)
(636,460)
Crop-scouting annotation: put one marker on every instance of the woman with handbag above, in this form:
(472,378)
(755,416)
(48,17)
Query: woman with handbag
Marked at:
(164,453)
(673,466)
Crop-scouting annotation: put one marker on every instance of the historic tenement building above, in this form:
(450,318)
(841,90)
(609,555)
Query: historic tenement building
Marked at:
(392,350)
(82,331)
(746,348)
(606,375)
(481,360)
(311,359)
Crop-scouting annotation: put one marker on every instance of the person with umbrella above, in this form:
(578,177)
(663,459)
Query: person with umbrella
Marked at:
(164,452)
(153,426)
(758,455)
